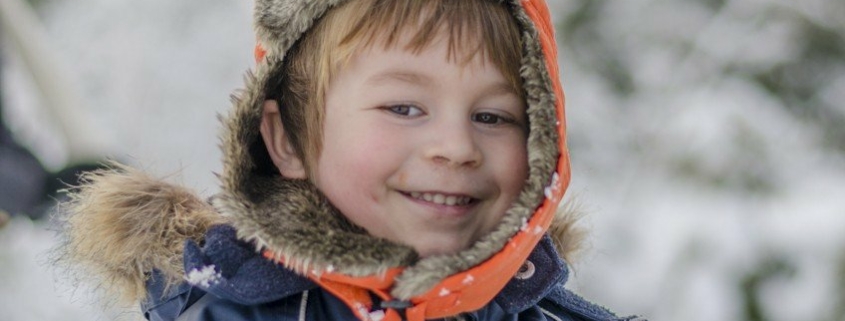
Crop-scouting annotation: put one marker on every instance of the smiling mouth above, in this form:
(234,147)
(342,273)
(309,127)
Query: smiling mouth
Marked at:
(443,199)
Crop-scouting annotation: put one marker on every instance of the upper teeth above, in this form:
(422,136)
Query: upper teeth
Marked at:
(442,199)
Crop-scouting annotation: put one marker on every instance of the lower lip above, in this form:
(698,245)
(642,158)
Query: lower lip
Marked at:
(443,210)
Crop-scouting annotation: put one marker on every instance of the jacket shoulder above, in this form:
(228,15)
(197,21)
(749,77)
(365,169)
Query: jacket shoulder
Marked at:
(195,305)
(225,279)
(563,304)
(189,303)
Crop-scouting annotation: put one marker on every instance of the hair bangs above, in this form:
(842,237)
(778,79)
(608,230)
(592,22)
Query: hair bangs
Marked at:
(470,27)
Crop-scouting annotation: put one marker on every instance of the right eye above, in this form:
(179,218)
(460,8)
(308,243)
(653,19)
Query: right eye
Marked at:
(404,110)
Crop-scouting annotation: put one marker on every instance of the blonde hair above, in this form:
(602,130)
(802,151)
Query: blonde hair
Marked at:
(471,26)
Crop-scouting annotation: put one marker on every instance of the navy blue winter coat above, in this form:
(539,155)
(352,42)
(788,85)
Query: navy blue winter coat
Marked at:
(246,286)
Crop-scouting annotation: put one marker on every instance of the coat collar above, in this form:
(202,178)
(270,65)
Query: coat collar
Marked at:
(231,269)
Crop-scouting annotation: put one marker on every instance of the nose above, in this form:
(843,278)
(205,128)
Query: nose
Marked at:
(454,145)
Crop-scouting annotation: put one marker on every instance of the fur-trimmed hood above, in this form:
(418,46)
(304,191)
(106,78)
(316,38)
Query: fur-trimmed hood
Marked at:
(123,224)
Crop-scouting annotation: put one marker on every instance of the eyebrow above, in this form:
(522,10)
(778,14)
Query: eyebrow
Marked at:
(500,88)
(415,78)
(405,76)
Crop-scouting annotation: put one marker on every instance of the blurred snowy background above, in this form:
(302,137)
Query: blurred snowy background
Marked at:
(707,140)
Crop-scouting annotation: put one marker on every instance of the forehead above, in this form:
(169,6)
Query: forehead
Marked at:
(438,45)
(468,27)
(427,67)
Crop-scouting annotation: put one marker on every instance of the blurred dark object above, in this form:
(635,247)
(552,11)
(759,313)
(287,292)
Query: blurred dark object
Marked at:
(751,285)
(4,218)
(22,177)
(26,187)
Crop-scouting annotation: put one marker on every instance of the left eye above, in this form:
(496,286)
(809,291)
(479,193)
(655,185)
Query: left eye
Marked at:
(489,118)
(405,110)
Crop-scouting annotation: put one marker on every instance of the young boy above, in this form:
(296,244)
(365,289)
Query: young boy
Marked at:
(388,160)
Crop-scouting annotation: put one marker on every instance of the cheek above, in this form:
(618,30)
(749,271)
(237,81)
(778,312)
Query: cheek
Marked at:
(356,160)
(352,172)
(357,150)
(511,166)
(341,175)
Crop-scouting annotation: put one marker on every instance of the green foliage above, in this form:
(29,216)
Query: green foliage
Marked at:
(583,39)
(751,283)
(37,3)
(789,57)
(799,83)
(746,170)
(838,313)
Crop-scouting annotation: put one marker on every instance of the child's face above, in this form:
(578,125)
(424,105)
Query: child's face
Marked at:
(422,150)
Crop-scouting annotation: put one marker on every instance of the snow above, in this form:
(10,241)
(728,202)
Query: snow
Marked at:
(30,287)
(444,292)
(204,277)
(693,181)
(361,308)
(376,315)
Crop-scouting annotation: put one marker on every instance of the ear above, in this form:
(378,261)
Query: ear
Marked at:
(278,145)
